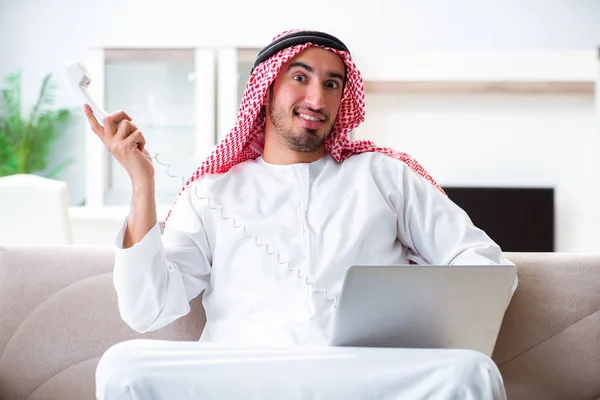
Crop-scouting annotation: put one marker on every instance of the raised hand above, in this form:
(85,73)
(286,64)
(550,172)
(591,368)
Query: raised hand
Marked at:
(126,143)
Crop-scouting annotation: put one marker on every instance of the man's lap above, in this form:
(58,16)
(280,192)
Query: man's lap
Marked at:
(155,368)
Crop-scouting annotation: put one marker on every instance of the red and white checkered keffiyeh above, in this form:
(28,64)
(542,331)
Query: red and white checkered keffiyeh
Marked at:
(246,140)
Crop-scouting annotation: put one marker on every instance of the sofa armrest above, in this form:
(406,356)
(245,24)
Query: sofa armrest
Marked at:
(59,309)
(549,343)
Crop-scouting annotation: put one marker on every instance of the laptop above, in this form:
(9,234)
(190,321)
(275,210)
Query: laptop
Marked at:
(423,306)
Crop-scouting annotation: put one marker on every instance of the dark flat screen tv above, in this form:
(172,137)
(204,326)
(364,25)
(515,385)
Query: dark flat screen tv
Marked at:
(518,219)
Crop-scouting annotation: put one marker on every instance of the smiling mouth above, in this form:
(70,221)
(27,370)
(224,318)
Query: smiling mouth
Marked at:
(309,117)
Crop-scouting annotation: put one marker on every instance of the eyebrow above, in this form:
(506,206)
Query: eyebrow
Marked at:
(310,69)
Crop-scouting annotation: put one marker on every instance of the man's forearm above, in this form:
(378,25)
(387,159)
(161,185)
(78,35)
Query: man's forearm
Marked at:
(142,216)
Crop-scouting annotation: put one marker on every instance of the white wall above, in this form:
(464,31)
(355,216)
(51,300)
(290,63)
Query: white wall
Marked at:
(503,140)
(456,137)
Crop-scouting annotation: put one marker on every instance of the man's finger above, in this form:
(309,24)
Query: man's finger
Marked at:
(110,127)
(119,116)
(140,140)
(124,129)
(96,127)
(112,124)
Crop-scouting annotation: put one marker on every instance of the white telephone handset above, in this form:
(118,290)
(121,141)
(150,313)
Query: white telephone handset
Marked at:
(80,79)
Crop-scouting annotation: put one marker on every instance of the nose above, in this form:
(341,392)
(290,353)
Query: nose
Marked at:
(315,96)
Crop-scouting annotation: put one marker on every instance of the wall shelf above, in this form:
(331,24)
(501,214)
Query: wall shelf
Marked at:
(480,87)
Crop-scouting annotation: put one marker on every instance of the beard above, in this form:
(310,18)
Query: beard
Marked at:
(302,140)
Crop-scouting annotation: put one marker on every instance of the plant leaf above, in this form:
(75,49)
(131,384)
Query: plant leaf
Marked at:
(10,107)
(26,144)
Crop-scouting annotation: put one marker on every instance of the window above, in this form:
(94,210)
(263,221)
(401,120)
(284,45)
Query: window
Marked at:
(156,88)
(171,96)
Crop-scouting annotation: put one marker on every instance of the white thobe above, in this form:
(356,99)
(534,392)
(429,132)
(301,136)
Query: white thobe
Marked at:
(269,245)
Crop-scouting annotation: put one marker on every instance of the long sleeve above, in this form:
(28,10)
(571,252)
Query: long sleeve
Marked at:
(156,278)
(436,229)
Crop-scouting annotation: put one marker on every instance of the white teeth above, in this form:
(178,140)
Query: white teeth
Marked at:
(308,117)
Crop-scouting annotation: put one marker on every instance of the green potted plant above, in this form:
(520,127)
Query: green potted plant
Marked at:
(26,142)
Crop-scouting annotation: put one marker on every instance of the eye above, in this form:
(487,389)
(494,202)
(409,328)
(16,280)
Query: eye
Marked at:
(332,85)
(299,78)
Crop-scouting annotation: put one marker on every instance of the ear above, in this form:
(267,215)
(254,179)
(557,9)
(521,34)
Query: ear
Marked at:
(267,96)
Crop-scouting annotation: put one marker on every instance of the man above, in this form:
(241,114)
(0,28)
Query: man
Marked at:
(266,228)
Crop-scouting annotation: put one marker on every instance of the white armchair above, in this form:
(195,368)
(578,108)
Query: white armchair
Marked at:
(34,211)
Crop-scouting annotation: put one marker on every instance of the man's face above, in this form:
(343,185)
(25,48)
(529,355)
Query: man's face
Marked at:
(303,101)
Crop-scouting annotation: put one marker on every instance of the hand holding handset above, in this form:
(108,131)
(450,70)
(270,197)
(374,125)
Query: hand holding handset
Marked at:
(121,137)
